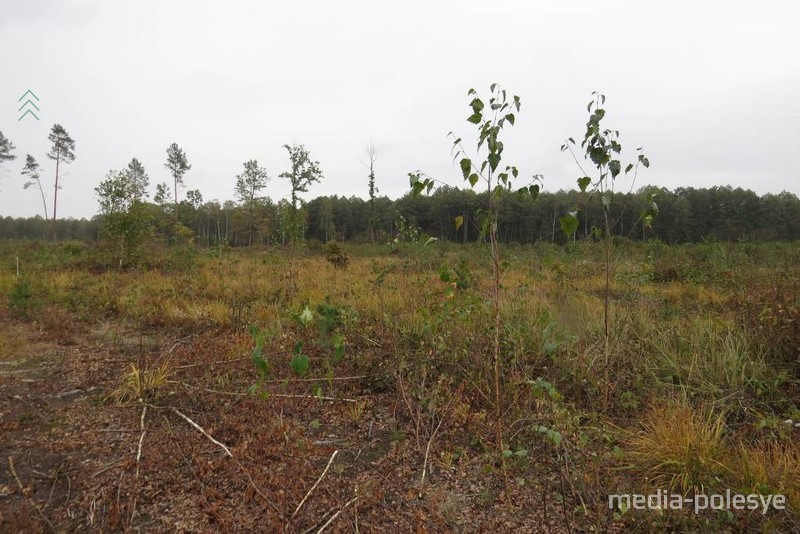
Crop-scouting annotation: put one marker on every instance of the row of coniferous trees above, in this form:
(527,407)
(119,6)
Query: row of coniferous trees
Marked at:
(685,215)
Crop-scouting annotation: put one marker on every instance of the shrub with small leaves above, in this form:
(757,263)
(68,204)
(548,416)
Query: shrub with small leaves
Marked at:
(336,256)
(22,300)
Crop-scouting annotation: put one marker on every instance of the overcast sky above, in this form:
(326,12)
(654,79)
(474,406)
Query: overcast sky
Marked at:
(711,89)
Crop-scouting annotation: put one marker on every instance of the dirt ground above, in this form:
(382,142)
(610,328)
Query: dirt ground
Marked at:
(75,458)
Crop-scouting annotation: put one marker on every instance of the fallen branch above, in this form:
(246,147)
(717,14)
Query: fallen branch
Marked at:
(138,465)
(109,467)
(204,364)
(316,397)
(327,523)
(30,499)
(427,451)
(141,440)
(206,434)
(325,379)
(249,478)
(279,395)
(315,483)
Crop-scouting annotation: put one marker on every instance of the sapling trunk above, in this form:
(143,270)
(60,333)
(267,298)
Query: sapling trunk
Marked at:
(496,294)
(55,200)
(606,306)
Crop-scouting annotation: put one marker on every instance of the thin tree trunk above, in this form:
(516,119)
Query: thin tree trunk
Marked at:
(55,197)
(44,202)
(496,271)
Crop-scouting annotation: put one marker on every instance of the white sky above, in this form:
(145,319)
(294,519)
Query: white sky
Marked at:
(709,88)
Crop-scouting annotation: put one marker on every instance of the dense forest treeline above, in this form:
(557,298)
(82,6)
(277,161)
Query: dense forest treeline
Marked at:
(686,214)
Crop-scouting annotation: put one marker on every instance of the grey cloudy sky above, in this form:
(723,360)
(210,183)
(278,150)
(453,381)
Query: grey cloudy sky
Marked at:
(709,88)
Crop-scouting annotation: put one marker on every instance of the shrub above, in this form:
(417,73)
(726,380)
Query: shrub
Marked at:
(22,300)
(336,256)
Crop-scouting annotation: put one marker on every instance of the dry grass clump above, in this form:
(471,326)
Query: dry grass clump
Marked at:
(768,469)
(143,383)
(679,448)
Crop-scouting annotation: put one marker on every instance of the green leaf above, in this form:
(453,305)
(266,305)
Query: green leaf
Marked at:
(584,182)
(510,118)
(476,105)
(338,348)
(473,179)
(306,316)
(615,167)
(466,166)
(628,168)
(569,224)
(261,364)
(459,221)
(596,117)
(299,363)
(338,353)
(475,118)
(494,160)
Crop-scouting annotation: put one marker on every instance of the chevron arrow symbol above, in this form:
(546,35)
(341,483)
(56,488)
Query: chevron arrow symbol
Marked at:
(28,105)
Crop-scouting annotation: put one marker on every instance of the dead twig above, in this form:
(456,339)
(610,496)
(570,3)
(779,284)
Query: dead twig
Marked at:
(325,379)
(30,499)
(199,480)
(372,341)
(206,434)
(296,510)
(327,523)
(177,343)
(316,397)
(427,451)
(118,463)
(204,364)
(278,395)
(135,492)
(141,440)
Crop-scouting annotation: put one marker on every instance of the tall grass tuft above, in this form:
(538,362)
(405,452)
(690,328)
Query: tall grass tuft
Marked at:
(678,448)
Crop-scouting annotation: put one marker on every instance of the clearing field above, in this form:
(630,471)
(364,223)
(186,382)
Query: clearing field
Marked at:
(352,389)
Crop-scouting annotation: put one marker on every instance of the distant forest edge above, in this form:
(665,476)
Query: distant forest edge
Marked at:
(686,214)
